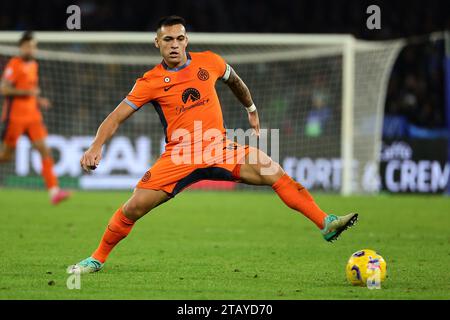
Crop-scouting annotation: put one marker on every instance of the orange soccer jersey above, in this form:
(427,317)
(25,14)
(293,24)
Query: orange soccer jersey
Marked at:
(188,106)
(183,95)
(21,114)
(22,75)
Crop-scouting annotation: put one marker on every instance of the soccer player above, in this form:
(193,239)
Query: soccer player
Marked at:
(21,114)
(182,90)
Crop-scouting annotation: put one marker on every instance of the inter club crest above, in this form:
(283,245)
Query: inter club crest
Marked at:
(203,74)
(146,176)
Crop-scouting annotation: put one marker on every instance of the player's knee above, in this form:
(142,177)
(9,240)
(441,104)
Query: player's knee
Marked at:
(134,210)
(270,172)
(270,179)
(137,207)
(259,174)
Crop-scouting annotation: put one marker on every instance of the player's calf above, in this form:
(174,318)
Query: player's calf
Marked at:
(265,171)
(298,198)
(119,226)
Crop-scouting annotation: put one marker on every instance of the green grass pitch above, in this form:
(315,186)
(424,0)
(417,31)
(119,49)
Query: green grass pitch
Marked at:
(221,245)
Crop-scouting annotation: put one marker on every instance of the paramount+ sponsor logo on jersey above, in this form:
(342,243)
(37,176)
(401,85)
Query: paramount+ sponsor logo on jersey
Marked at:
(191,98)
(190,95)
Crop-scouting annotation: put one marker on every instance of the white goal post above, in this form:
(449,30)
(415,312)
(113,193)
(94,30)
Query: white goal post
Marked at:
(325,93)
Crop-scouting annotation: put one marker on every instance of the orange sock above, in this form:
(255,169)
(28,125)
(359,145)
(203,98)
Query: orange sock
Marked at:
(48,174)
(295,196)
(118,228)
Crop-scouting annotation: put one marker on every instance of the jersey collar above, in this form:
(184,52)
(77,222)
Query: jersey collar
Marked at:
(188,62)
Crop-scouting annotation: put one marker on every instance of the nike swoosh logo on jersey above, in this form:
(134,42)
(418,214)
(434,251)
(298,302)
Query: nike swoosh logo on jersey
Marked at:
(168,88)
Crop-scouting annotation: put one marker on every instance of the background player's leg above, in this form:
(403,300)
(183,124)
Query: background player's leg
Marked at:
(6,153)
(10,135)
(121,223)
(265,171)
(51,181)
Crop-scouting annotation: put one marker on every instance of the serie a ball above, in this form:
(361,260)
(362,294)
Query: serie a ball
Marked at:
(364,263)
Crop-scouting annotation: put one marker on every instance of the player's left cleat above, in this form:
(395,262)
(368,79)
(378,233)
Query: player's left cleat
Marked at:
(61,195)
(88,265)
(335,225)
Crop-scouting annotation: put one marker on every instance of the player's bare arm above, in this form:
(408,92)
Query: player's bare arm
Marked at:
(91,158)
(242,93)
(8,89)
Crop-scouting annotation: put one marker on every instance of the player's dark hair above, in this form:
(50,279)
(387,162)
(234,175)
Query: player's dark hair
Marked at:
(26,36)
(170,21)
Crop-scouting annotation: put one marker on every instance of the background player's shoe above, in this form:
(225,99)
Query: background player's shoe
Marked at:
(59,196)
(88,265)
(334,225)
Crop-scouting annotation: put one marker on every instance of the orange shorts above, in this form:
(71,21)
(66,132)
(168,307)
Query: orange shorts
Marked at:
(172,176)
(12,131)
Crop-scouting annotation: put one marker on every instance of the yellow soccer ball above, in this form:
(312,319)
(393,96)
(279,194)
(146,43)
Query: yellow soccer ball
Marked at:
(365,264)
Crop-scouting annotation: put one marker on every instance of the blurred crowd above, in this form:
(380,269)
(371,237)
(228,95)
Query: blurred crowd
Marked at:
(415,102)
(399,18)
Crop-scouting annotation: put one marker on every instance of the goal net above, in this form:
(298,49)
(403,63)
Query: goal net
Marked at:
(324,93)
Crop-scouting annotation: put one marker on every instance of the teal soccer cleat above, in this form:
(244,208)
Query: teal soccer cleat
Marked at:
(335,225)
(88,265)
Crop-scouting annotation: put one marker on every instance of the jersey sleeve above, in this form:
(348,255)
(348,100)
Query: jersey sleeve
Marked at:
(140,94)
(10,73)
(222,69)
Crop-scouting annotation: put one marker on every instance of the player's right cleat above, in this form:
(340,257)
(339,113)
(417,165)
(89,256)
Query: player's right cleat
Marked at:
(88,265)
(335,225)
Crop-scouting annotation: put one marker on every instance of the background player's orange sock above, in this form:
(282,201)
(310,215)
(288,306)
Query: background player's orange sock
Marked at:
(47,173)
(295,196)
(118,228)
